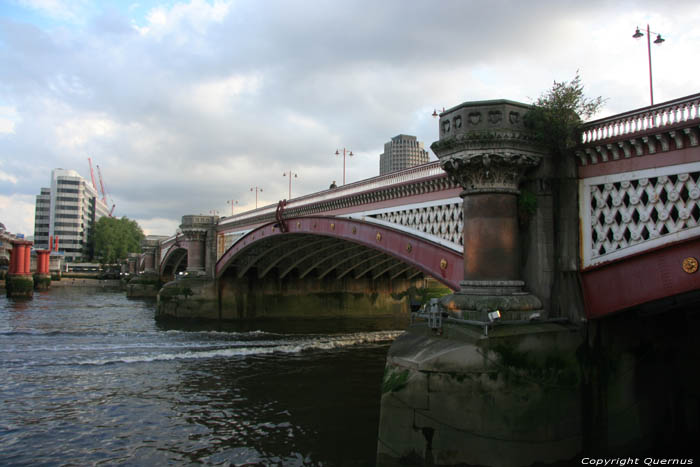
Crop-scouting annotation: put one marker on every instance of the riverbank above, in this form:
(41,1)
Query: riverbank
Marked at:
(80,282)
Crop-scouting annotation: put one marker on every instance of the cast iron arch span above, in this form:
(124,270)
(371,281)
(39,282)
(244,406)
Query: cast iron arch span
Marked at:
(173,261)
(347,246)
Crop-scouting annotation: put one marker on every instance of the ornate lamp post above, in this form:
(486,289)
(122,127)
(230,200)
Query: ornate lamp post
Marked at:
(232,203)
(637,34)
(256,194)
(349,153)
(290,174)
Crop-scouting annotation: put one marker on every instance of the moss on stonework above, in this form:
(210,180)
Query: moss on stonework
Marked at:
(42,281)
(394,380)
(171,293)
(423,294)
(19,286)
(551,368)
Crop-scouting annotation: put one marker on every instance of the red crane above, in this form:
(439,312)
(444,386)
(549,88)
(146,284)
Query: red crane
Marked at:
(104,195)
(92,174)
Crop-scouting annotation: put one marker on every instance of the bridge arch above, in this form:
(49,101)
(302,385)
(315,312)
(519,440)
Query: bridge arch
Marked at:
(342,246)
(175,261)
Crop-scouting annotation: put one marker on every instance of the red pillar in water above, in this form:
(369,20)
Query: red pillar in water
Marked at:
(28,259)
(13,261)
(19,249)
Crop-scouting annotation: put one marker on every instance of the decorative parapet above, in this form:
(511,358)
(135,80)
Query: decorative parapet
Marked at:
(628,213)
(426,178)
(485,147)
(194,222)
(651,130)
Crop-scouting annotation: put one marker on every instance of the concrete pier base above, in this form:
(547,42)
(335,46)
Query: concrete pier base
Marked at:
(42,281)
(462,398)
(190,298)
(144,285)
(19,285)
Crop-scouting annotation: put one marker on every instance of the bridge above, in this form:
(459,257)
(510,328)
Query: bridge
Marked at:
(571,325)
(636,181)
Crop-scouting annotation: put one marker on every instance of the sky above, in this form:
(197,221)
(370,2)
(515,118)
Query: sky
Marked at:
(187,105)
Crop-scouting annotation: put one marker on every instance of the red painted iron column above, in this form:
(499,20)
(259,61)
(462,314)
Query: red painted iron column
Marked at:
(19,281)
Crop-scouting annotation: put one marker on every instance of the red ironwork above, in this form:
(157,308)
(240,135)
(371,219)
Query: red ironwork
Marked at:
(279,215)
(442,263)
(618,285)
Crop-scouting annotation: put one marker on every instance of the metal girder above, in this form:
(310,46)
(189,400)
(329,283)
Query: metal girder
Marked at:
(411,276)
(332,244)
(388,268)
(363,250)
(401,271)
(351,268)
(372,266)
(343,251)
(265,251)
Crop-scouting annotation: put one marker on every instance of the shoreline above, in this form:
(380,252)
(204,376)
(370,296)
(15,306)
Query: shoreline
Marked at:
(80,282)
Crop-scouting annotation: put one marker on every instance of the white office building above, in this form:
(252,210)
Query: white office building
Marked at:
(402,152)
(69,210)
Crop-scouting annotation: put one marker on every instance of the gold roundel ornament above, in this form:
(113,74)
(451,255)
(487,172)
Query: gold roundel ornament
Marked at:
(409,248)
(298,225)
(354,229)
(443,264)
(332,226)
(690,265)
(379,237)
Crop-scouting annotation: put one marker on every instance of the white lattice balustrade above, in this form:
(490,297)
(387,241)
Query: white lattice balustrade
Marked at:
(631,212)
(444,221)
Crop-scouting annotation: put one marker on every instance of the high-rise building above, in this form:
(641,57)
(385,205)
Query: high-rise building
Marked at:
(402,152)
(69,210)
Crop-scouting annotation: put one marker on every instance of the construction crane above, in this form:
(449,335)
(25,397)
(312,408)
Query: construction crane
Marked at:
(104,195)
(92,174)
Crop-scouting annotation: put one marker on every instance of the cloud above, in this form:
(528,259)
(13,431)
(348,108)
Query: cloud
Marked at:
(17,213)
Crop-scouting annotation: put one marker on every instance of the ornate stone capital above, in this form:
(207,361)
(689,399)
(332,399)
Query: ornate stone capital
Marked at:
(489,172)
(195,234)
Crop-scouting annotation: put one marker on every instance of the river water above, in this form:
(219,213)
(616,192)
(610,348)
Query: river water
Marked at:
(88,377)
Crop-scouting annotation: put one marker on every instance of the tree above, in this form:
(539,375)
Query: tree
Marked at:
(557,114)
(116,238)
(555,119)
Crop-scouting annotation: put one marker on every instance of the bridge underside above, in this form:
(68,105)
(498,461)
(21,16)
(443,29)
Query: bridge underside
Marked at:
(328,266)
(174,263)
(321,247)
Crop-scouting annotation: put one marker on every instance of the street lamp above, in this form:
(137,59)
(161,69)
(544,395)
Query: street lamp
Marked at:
(436,114)
(350,154)
(231,202)
(290,174)
(637,34)
(256,195)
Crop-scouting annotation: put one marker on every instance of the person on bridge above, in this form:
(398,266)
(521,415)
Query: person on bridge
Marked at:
(333,185)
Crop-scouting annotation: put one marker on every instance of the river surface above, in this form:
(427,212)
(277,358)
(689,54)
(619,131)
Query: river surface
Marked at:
(88,377)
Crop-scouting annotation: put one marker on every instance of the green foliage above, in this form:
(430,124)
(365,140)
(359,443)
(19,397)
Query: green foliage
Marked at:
(557,114)
(394,380)
(116,238)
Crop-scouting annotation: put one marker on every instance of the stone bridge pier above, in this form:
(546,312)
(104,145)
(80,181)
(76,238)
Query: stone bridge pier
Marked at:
(146,282)
(195,294)
(479,384)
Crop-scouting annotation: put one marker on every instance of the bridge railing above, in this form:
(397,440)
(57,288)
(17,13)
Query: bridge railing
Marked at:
(668,113)
(418,172)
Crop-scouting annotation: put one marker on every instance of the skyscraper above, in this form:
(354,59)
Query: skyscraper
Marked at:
(69,210)
(402,152)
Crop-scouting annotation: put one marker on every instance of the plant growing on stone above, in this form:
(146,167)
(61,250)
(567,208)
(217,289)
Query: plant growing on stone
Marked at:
(557,114)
